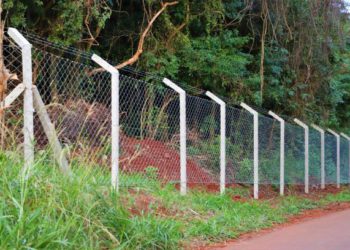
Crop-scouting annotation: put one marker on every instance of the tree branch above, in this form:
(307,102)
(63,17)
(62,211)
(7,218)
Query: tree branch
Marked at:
(179,28)
(264,16)
(139,50)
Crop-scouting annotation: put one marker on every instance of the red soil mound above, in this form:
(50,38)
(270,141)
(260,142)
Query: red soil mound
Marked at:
(138,155)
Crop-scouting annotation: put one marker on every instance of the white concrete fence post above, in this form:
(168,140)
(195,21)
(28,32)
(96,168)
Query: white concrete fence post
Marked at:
(256,148)
(11,97)
(222,139)
(28,108)
(115,118)
(323,174)
(32,100)
(306,143)
(183,167)
(337,155)
(49,130)
(282,145)
(348,138)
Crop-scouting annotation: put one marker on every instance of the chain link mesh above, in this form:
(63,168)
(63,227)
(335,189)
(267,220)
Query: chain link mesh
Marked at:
(239,146)
(79,104)
(330,159)
(11,136)
(314,157)
(203,140)
(269,150)
(294,154)
(344,160)
(149,119)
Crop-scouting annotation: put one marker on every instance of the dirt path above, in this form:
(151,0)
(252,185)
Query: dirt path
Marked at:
(325,233)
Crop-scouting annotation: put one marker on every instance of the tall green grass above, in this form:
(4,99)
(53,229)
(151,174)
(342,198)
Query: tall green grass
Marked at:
(48,210)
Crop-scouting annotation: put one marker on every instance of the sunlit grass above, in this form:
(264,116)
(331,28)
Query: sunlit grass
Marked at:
(49,210)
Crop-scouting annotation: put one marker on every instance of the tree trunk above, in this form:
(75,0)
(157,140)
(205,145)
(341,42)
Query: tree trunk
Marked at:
(4,76)
(264,10)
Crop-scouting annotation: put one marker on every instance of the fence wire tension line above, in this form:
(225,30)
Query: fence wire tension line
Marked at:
(144,128)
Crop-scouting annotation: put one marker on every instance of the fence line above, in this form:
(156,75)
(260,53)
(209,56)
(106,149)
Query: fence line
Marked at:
(145,130)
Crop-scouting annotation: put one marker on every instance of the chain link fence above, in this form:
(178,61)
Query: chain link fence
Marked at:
(11,118)
(269,150)
(239,146)
(294,155)
(330,159)
(79,105)
(149,115)
(203,140)
(344,160)
(315,157)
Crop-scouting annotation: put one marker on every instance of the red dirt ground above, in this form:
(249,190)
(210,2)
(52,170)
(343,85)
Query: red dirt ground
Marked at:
(138,155)
(268,191)
(144,203)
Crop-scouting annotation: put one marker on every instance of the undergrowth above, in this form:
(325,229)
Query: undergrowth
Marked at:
(46,209)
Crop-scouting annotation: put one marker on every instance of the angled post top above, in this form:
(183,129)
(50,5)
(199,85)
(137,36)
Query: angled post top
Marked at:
(319,129)
(277,117)
(18,37)
(300,123)
(333,132)
(345,136)
(215,98)
(249,109)
(173,86)
(104,64)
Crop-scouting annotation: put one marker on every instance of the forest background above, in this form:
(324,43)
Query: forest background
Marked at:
(290,56)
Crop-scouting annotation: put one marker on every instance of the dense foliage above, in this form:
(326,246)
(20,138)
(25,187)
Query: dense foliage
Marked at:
(292,56)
